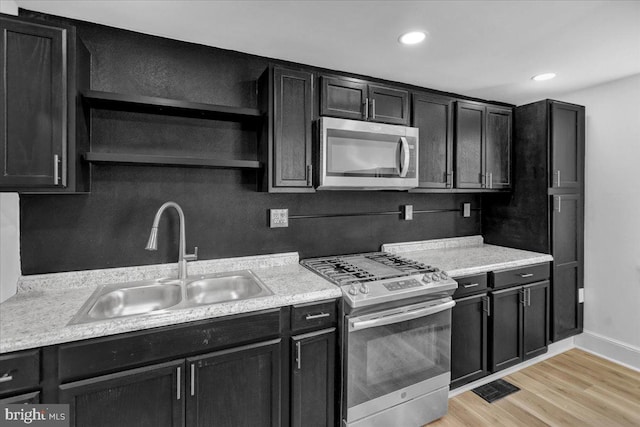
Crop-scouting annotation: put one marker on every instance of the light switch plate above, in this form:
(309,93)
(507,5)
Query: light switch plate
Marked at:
(580,295)
(466,210)
(278,218)
(407,212)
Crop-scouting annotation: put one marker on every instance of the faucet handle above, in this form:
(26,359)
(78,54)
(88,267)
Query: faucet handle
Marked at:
(193,256)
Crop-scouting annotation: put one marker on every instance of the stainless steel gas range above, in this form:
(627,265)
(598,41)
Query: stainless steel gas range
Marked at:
(396,338)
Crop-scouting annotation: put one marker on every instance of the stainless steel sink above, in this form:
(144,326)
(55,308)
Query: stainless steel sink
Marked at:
(163,295)
(228,288)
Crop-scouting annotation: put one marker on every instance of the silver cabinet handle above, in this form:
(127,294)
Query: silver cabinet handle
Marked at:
(178,393)
(56,171)
(298,361)
(309,175)
(373,108)
(193,379)
(366,108)
(487,300)
(558,178)
(529,297)
(448,179)
(558,203)
(524,276)
(316,316)
(523,297)
(490,179)
(470,285)
(404,157)
(6,378)
(483,180)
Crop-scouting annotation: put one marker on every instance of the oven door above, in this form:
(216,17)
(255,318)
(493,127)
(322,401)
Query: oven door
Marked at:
(396,355)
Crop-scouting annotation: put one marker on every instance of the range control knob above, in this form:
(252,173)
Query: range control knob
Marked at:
(364,289)
(353,290)
(443,275)
(435,277)
(427,278)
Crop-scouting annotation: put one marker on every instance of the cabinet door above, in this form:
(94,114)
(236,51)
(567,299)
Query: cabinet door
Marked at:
(292,142)
(469,340)
(313,379)
(567,250)
(152,396)
(388,105)
(343,98)
(33,110)
(470,139)
(567,145)
(433,116)
(498,148)
(535,319)
(505,324)
(236,387)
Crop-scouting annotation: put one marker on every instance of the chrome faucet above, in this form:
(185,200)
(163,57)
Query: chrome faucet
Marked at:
(183,257)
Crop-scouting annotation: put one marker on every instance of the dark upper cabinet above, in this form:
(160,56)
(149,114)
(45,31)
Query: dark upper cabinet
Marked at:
(483,146)
(469,339)
(42,121)
(498,147)
(236,387)
(343,98)
(567,146)
(286,96)
(470,146)
(360,100)
(313,379)
(541,216)
(567,249)
(149,396)
(433,116)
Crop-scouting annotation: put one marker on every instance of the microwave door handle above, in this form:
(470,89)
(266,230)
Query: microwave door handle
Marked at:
(401,317)
(404,157)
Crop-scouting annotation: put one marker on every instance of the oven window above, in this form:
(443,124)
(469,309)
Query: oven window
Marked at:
(388,358)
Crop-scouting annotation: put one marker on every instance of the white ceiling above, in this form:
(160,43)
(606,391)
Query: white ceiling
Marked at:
(485,49)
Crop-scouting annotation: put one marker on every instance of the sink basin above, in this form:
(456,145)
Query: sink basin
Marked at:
(162,295)
(227,288)
(135,300)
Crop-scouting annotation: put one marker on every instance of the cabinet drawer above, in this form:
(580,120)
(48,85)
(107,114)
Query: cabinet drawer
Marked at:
(520,275)
(19,371)
(468,285)
(313,316)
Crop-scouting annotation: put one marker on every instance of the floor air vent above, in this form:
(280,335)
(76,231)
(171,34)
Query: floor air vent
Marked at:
(495,390)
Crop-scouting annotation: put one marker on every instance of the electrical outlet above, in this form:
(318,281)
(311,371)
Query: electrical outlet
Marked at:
(466,210)
(278,218)
(407,212)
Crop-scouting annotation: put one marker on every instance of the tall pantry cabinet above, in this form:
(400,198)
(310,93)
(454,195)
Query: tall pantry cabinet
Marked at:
(545,211)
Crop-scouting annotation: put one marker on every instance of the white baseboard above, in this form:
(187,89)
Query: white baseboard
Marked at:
(610,349)
(554,349)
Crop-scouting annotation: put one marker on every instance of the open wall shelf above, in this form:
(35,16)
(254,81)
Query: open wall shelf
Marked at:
(153,160)
(174,107)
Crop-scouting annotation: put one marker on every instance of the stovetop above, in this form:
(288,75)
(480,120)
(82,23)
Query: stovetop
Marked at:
(379,277)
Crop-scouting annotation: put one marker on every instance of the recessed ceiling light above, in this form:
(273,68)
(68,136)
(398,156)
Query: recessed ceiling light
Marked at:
(412,37)
(544,76)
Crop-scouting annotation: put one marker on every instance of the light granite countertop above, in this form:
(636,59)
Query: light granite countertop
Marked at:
(39,313)
(465,255)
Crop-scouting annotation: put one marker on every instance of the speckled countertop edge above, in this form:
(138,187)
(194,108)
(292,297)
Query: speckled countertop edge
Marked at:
(38,315)
(466,255)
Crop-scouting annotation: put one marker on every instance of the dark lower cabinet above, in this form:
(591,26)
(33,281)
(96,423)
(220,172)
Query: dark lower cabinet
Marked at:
(31,398)
(518,324)
(236,387)
(312,379)
(152,396)
(469,340)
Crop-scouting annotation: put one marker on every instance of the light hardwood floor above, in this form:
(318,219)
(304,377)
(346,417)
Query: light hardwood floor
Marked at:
(574,388)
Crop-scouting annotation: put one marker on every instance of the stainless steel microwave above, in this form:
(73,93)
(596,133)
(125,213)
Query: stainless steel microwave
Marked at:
(357,155)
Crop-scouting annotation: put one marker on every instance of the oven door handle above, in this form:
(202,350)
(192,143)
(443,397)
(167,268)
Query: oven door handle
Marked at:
(400,317)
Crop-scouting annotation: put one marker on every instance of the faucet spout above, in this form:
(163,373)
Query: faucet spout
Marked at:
(152,243)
